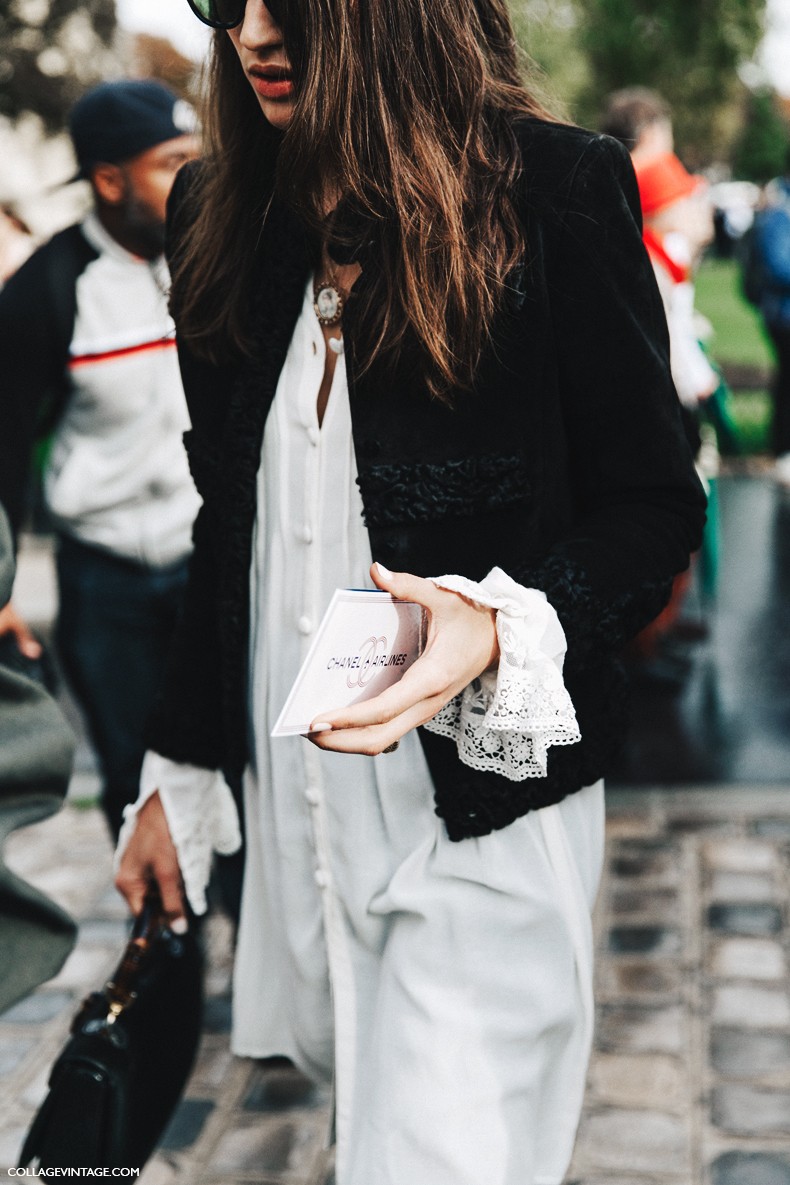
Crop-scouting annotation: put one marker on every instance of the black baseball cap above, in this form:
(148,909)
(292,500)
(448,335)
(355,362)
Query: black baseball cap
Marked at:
(116,121)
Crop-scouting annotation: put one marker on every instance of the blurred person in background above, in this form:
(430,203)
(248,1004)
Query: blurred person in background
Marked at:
(768,286)
(88,359)
(641,120)
(677,227)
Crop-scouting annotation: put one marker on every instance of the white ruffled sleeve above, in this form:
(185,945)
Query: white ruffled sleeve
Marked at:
(506,720)
(201,816)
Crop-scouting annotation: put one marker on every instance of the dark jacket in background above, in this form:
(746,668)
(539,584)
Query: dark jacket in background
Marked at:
(37,310)
(566,466)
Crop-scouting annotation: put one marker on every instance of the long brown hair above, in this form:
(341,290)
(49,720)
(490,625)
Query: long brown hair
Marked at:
(406,108)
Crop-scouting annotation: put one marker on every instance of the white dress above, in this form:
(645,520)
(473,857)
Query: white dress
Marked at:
(444,988)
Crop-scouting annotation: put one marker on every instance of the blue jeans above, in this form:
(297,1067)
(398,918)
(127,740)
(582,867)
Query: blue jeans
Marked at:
(113,633)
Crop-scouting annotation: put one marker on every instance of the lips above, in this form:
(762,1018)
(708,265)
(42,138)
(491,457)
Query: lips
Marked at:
(272,82)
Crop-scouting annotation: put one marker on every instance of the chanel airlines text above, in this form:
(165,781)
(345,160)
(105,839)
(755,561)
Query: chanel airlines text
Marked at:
(372,658)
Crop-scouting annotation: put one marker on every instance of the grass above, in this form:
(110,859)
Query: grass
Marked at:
(738,340)
(751,411)
(84,802)
(738,333)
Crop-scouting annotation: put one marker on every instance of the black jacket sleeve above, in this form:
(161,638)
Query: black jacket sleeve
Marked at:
(32,371)
(37,310)
(639,506)
(186,723)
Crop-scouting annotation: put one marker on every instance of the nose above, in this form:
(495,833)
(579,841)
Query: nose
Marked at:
(258,30)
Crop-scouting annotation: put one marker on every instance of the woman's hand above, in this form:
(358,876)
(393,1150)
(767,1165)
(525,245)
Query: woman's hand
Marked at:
(151,856)
(461,644)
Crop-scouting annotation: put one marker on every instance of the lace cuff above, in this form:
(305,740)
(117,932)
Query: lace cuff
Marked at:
(201,816)
(506,719)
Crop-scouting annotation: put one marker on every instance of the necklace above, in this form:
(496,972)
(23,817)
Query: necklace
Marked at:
(329,300)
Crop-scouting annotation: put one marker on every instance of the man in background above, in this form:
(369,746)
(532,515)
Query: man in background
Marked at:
(88,361)
(769,246)
(677,227)
(641,120)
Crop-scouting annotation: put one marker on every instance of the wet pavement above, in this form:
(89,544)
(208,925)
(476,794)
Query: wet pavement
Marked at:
(728,718)
(690,1078)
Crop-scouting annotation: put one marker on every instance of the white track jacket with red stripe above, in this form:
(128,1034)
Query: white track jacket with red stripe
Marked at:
(117,476)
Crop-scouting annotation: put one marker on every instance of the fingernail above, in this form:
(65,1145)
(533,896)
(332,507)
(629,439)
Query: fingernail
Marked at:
(322,726)
(179,925)
(385,572)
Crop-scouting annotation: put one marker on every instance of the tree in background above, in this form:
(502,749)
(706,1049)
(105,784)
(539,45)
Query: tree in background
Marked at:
(149,56)
(548,30)
(50,52)
(761,149)
(688,50)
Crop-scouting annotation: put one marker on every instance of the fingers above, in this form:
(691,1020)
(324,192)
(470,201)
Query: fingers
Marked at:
(461,643)
(406,587)
(172,895)
(376,738)
(425,680)
(151,856)
(133,886)
(26,641)
(423,684)
(28,644)
(134,882)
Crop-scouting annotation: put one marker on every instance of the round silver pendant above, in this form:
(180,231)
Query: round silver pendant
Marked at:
(328,304)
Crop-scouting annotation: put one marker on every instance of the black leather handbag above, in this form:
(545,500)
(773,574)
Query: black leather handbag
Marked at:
(116,1083)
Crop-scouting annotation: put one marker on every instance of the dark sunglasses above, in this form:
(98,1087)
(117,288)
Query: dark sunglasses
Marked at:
(227,14)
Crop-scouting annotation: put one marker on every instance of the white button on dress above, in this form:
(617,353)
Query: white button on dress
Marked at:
(458,1021)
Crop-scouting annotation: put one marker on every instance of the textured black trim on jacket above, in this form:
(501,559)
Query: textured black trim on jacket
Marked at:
(566,466)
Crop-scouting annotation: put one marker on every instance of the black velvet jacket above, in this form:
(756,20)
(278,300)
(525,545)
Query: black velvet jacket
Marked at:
(566,466)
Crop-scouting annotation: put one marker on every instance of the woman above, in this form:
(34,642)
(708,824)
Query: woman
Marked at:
(415,321)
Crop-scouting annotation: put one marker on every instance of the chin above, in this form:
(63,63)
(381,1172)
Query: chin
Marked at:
(279,115)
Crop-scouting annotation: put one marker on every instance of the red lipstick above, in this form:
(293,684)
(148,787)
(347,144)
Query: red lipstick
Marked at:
(271,82)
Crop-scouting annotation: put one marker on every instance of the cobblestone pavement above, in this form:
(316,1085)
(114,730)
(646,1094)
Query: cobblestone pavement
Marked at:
(690,1079)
